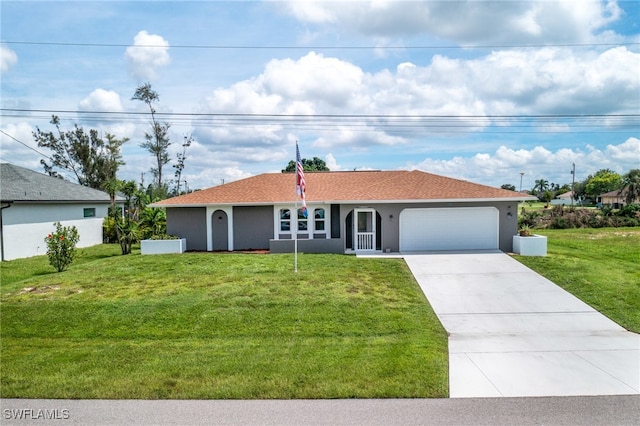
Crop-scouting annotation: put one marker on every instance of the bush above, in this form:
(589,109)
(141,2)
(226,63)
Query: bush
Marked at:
(559,217)
(61,246)
(109,232)
(630,210)
(163,237)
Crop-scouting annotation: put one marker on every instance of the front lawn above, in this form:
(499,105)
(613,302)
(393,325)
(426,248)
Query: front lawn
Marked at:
(202,325)
(599,266)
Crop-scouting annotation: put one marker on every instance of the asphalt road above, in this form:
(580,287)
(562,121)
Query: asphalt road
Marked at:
(590,410)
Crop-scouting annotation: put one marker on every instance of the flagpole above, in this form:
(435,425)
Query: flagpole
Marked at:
(294,229)
(300,191)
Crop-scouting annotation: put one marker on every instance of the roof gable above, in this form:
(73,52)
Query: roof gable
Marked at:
(20,184)
(374,186)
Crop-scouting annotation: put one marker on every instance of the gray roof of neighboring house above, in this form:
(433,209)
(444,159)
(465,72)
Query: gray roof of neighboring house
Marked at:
(18,184)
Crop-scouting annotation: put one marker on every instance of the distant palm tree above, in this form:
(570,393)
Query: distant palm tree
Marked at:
(631,182)
(540,186)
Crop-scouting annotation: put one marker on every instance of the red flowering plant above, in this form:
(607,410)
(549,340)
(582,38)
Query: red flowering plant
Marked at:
(61,246)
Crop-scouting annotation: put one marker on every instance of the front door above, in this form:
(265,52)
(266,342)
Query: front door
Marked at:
(364,230)
(220,230)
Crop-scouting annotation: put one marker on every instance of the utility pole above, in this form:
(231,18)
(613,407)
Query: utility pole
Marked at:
(573,183)
(521,174)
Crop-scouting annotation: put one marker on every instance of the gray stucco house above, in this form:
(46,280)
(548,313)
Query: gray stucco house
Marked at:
(368,211)
(30,202)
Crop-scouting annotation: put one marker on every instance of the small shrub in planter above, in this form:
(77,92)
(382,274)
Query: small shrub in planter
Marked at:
(164,237)
(524,231)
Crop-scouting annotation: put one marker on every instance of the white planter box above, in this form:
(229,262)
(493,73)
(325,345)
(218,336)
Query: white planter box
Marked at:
(163,246)
(535,245)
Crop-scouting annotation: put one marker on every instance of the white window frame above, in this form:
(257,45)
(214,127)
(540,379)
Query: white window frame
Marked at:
(310,232)
(324,220)
(280,221)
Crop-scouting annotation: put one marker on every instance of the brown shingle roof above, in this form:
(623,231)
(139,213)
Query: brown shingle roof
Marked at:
(383,186)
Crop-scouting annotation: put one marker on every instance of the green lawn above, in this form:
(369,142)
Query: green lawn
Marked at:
(202,325)
(600,266)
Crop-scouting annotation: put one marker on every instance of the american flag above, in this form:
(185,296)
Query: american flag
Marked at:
(301,185)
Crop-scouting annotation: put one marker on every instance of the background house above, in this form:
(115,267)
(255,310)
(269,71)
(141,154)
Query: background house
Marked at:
(31,202)
(563,199)
(616,199)
(347,212)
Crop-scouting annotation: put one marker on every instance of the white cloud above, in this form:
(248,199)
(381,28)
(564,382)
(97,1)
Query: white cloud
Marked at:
(505,164)
(8,58)
(535,81)
(331,162)
(17,153)
(101,100)
(627,152)
(148,52)
(466,22)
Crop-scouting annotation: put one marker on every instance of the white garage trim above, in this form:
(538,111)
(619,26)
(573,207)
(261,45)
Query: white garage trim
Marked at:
(459,228)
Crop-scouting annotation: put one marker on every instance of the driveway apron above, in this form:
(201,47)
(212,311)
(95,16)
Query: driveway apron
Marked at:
(512,332)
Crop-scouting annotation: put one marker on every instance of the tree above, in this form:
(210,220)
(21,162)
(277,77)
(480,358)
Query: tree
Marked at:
(546,196)
(179,166)
(563,189)
(509,187)
(89,157)
(540,186)
(157,142)
(602,181)
(631,182)
(153,221)
(314,165)
(126,226)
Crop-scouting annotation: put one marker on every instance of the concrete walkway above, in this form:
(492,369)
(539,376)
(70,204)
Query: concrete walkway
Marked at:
(515,333)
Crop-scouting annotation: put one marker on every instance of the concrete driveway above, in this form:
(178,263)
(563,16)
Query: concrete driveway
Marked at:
(515,333)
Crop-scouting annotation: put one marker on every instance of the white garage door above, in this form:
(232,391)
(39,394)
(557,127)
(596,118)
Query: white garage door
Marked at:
(462,228)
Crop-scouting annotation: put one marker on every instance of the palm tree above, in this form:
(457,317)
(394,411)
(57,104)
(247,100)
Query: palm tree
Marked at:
(540,186)
(153,221)
(631,182)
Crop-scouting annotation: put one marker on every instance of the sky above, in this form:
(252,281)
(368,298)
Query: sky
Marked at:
(476,90)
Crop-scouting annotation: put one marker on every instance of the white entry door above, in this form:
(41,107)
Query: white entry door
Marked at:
(364,229)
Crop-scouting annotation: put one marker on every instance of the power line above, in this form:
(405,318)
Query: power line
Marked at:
(320,47)
(332,116)
(390,123)
(20,142)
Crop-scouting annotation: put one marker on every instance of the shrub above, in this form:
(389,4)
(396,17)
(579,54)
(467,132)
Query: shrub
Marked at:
(163,237)
(61,246)
(630,210)
(109,231)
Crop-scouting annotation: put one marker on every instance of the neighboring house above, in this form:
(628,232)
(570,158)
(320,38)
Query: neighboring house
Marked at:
(563,199)
(366,211)
(615,198)
(31,202)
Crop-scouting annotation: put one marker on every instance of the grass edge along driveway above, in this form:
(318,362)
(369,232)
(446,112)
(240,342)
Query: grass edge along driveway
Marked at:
(218,326)
(599,266)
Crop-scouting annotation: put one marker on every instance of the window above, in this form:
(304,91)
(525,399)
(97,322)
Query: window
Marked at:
(90,212)
(292,223)
(302,221)
(285,220)
(318,217)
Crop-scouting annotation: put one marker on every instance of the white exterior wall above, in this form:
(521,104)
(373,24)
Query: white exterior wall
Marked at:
(25,226)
